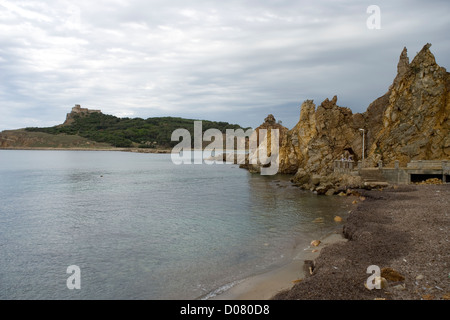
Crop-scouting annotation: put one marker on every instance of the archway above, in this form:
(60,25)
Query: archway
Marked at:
(349,152)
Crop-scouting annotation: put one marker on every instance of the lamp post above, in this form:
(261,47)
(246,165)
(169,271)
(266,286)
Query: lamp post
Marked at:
(363,131)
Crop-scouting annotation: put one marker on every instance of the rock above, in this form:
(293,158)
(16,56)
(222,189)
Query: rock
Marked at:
(308,266)
(330,192)
(399,287)
(419,277)
(402,66)
(315,180)
(351,192)
(301,177)
(338,219)
(381,282)
(391,275)
(315,243)
(418,107)
(321,190)
(354,202)
(375,184)
(431,181)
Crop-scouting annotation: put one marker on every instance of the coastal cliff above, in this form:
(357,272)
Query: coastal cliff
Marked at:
(416,123)
(409,122)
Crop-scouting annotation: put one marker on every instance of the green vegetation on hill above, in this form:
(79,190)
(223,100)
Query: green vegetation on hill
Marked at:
(126,132)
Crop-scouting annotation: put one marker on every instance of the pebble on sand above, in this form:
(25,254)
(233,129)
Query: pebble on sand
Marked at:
(391,274)
(315,243)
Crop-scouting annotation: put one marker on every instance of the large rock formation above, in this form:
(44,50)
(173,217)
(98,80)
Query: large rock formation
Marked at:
(409,122)
(321,136)
(252,162)
(415,122)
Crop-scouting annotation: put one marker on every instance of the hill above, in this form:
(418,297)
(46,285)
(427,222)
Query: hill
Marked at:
(86,128)
(22,139)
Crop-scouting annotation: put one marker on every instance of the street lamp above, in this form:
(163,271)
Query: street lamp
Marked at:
(362,144)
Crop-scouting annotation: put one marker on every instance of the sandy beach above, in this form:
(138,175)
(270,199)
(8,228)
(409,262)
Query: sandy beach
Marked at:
(264,286)
(402,229)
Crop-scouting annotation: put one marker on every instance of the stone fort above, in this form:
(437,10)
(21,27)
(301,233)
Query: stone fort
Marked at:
(78,110)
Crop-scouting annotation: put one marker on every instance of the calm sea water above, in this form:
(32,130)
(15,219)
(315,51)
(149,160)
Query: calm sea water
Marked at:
(140,227)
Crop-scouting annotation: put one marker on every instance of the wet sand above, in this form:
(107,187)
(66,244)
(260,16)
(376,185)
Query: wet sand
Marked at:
(264,286)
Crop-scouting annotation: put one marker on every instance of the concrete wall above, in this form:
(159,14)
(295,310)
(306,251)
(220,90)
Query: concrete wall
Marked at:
(396,176)
(403,175)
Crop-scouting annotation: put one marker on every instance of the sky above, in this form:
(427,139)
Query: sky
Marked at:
(233,61)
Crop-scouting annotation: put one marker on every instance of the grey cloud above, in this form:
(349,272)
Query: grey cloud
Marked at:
(229,60)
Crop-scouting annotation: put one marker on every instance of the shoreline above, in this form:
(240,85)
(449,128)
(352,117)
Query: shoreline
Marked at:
(388,230)
(265,285)
(136,150)
(402,230)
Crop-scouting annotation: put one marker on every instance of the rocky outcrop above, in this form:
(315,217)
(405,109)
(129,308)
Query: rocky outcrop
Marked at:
(269,124)
(416,123)
(321,136)
(409,122)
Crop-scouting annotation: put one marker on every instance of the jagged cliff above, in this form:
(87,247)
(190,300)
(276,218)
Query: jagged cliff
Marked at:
(409,122)
(415,122)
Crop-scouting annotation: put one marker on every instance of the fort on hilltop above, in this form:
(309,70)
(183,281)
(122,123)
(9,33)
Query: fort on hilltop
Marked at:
(78,110)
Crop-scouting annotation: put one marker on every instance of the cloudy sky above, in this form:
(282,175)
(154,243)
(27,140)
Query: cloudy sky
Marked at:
(231,60)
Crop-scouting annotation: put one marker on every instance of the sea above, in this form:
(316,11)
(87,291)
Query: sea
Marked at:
(114,225)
